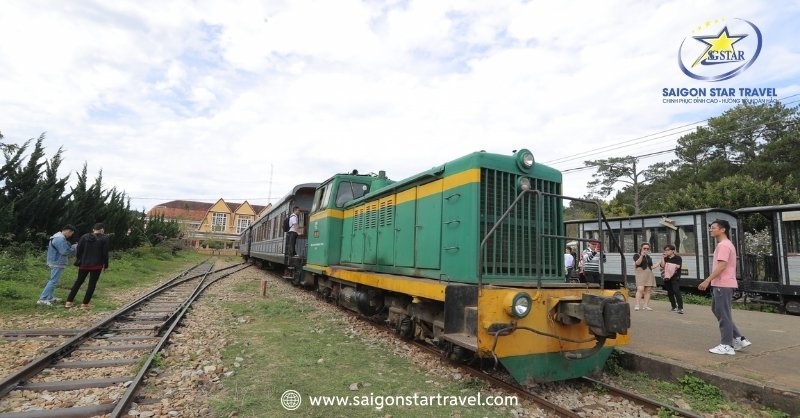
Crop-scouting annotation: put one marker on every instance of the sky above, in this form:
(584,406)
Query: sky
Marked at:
(242,100)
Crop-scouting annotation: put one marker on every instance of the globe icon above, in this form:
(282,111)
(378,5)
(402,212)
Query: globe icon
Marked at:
(291,400)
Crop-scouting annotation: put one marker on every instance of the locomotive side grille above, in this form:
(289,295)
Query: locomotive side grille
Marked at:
(511,252)
(358,219)
(386,212)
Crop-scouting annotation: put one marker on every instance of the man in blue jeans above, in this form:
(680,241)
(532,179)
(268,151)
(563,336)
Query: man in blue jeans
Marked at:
(57,251)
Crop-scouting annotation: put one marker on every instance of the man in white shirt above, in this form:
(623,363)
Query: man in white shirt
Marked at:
(569,263)
(294,230)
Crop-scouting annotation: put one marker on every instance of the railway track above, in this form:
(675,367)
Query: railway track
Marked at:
(502,380)
(120,348)
(649,405)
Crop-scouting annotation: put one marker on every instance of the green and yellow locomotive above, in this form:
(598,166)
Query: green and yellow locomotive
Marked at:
(469,256)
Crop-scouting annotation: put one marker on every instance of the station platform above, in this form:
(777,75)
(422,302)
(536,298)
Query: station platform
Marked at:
(668,345)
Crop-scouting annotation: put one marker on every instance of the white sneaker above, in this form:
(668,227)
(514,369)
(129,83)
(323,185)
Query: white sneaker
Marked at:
(722,349)
(740,343)
(636,308)
(647,308)
(44,302)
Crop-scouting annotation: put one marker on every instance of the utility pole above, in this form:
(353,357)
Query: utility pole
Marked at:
(269,192)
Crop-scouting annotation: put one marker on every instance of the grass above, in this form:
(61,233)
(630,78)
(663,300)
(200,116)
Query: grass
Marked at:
(690,390)
(22,278)
(296,346)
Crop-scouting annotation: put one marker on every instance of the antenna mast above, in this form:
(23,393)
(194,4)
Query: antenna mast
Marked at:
(269,193)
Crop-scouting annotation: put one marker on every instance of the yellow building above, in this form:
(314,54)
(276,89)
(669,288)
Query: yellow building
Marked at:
(210,227)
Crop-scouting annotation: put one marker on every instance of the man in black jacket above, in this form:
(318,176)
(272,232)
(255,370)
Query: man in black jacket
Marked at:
(91,259)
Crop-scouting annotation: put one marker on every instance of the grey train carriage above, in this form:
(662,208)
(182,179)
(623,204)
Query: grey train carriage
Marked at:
(687,231)
(264,241)
(770,269)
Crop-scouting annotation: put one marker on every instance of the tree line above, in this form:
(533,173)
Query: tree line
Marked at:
(35,203)
(748,156)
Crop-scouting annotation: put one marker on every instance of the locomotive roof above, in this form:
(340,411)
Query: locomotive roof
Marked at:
(471,160)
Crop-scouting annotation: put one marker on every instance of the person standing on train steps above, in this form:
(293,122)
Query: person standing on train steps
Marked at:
(58,250)
(294,231)
(592,257)
(723,282)
(645,279)
(91,259)
(671,266)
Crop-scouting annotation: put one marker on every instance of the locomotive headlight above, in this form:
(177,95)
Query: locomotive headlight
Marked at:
(525,159)
(520,305)
(524,183)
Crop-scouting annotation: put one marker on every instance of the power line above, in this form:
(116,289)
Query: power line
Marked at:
(642,139)
(672,149)
(652,154)
(593,151)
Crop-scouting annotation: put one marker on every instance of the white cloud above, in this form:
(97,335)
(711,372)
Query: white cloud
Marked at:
(182,100)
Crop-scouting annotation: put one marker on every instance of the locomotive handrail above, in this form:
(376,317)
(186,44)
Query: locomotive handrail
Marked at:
(539,235)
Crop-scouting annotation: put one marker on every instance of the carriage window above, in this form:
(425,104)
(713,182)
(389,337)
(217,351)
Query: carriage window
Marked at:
(650,237)
(608,243)
(639,238)
(685,241)
(628,242)
(349,191)
(792,229)
(663,236)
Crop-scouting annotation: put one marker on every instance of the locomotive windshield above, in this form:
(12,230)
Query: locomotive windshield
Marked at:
(345,191)
(348,191)
(321,197)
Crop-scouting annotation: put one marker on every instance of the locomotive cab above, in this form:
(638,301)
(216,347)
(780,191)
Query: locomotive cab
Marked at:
(327,213)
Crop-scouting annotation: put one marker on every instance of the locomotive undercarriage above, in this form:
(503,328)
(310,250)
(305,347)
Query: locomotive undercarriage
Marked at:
(409,317)
(423,319)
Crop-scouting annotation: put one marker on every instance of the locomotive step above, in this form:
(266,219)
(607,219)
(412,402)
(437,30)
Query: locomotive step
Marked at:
(464,340)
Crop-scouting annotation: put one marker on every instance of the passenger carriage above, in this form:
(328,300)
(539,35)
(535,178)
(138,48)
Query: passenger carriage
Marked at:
(771,273)
(265,241)
(687,231)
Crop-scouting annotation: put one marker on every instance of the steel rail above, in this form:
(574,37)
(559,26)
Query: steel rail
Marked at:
(543,402)
(125,400)
(39,364)
(635,397)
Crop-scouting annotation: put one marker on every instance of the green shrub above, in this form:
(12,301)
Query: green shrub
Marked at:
(9,293)
(702,396)
(612,365)
(139,252)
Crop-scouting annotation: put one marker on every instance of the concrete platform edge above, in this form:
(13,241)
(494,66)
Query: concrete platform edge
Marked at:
(782,399)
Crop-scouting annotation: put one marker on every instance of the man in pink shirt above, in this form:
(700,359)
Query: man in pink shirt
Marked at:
(723,282)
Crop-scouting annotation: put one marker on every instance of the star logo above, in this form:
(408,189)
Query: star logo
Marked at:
(719,48)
